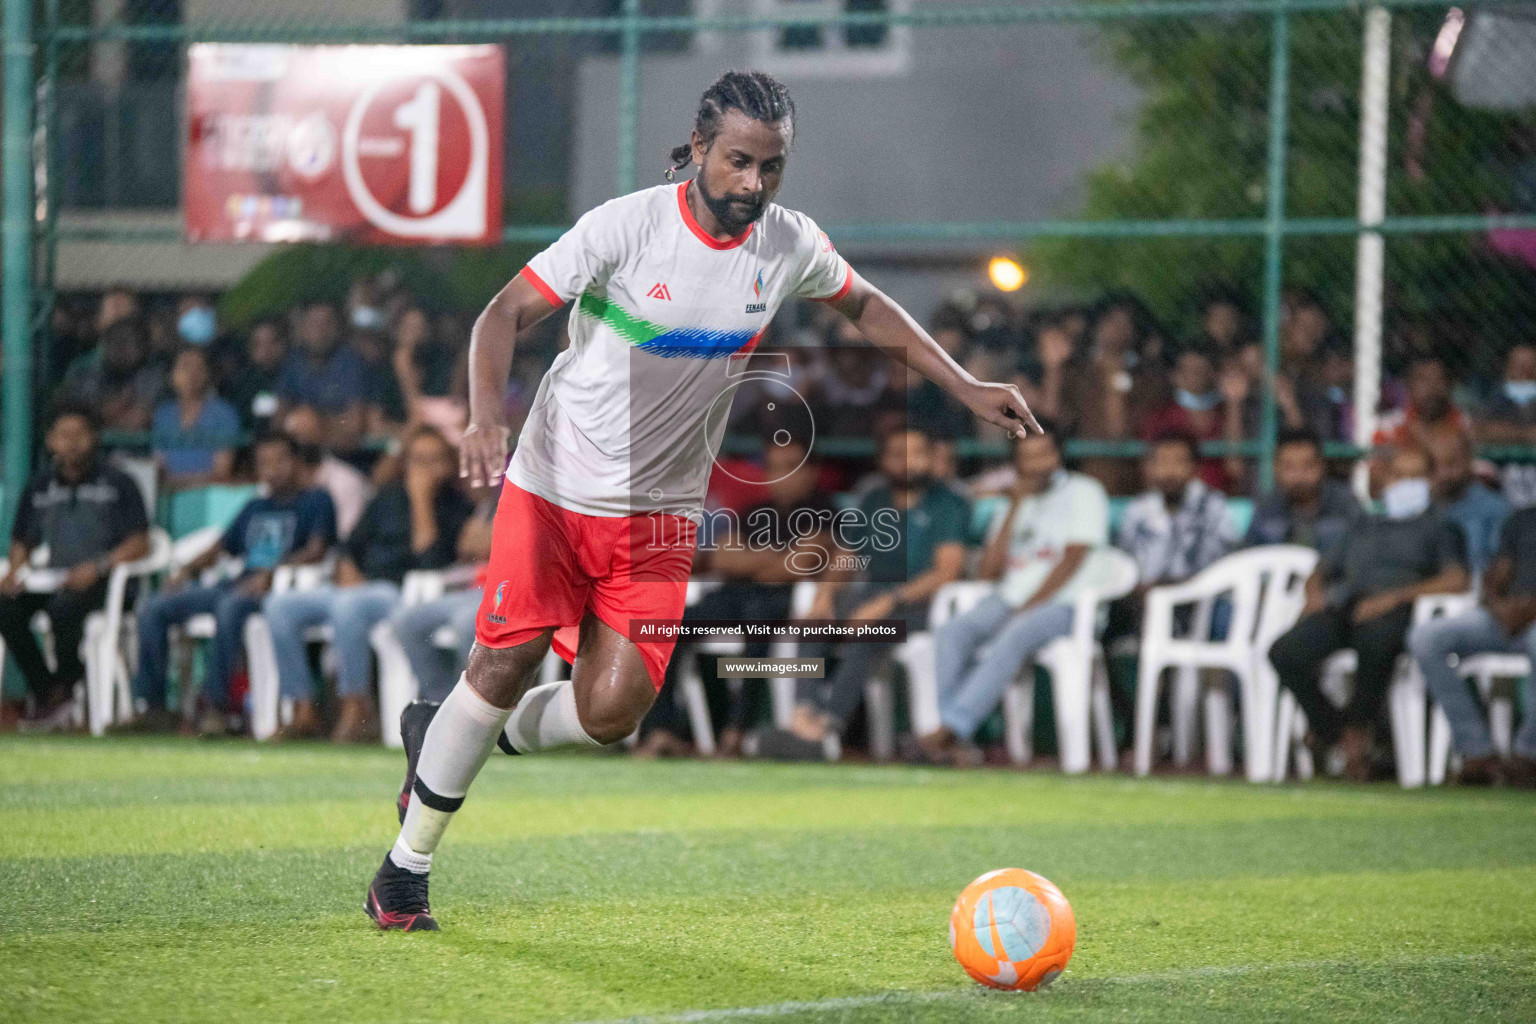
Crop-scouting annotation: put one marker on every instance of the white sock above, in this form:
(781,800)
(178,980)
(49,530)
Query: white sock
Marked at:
(546,718)
(460,738)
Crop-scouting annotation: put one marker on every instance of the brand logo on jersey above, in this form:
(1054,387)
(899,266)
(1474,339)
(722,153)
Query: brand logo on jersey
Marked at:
(757,290)
(501,592)
(826,243)
(659,291)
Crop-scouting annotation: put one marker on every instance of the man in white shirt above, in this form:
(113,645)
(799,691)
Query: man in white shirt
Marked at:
(672,289)
(1037,545)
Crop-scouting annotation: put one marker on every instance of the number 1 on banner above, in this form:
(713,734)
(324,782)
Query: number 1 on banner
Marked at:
(419,116)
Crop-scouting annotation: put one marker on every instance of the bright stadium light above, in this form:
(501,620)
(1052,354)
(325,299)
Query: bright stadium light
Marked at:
(1007,274)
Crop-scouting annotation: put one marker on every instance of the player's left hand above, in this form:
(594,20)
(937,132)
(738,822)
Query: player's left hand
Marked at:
(1002,405)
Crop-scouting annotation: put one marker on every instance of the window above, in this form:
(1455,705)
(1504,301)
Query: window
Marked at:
(833,50)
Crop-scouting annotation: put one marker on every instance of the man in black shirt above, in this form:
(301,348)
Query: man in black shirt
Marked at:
(407,526)
(92,518)
(1361,597)
(1505,623)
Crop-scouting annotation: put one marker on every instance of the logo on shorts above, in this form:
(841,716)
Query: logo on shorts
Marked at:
(501,592)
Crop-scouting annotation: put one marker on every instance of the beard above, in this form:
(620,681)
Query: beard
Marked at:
(735,213)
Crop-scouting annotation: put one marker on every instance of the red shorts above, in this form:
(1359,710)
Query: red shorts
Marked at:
(549,566)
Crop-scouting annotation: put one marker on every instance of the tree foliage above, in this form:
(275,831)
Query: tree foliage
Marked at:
(1200,151)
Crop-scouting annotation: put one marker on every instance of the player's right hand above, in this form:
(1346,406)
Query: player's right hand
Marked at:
(483,453)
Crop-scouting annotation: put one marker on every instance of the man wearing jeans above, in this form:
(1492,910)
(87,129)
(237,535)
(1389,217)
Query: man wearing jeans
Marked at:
(1038,543)
(1506,623)
(410,525)
(1362,598)
(290,524)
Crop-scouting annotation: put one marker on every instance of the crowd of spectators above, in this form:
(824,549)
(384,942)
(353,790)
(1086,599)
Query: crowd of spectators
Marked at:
(348,413)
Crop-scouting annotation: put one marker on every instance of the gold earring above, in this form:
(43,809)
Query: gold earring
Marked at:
(671,173)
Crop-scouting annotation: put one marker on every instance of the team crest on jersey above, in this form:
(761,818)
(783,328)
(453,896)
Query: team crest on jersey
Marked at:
(826,243)
(757,290)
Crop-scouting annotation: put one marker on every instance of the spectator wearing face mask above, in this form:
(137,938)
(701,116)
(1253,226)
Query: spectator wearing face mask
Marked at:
(196,322)
(1361,597)
(1510,414)
(1510,418)
(1202,410)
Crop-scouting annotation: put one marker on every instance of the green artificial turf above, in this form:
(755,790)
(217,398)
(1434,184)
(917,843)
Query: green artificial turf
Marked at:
(177,881)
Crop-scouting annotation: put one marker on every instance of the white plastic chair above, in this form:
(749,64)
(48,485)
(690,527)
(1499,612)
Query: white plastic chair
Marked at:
(1406,700)
(108,680)
(781,689)
(1484,670)
(1265,588)
(268,710)
(915,656)
(1079,683)
(105,694)
(1079,677)
(690,686)
(398,685)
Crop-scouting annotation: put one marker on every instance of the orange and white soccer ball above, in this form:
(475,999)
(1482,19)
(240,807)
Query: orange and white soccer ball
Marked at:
(1012,929)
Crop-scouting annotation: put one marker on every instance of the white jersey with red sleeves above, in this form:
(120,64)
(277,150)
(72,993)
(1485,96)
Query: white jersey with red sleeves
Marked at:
(627,418)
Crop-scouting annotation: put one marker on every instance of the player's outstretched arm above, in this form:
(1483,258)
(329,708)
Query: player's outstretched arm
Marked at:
(516,308)
(888,326)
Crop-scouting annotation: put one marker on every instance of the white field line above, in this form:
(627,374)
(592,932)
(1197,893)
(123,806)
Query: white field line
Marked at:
(961,994)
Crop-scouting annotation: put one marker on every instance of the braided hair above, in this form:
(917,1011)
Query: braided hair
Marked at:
(756,94)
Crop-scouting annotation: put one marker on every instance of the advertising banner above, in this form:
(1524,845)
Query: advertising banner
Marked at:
(367,144)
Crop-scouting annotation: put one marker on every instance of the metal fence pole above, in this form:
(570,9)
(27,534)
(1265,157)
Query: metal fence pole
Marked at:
(1369,249)
(47,251)
(1274,235)
(16,253)
(629,96)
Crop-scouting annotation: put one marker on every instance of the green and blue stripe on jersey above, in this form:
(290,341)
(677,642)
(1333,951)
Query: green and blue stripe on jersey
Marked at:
(670,342)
